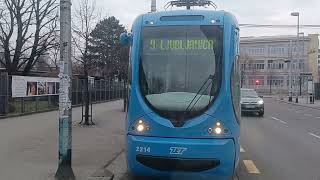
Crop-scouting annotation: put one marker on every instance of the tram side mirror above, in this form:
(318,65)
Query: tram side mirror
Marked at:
(125,39)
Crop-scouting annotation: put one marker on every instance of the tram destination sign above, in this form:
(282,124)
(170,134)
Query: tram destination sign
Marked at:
(178,44)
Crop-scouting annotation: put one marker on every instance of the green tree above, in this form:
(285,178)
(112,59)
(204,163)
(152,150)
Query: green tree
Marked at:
(105,47)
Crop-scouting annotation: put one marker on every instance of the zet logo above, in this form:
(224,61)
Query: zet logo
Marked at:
(177,150)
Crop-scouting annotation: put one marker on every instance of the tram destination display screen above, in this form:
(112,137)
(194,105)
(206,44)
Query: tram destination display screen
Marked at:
(180,40)
(179,44)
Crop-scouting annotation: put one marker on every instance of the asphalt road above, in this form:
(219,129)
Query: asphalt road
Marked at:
(285,144)
(282,145)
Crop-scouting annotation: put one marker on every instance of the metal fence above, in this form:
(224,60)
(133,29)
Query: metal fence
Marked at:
(3,93)
(103,90)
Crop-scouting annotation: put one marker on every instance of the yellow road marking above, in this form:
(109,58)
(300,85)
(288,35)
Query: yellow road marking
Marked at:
(242,150)
(251,168)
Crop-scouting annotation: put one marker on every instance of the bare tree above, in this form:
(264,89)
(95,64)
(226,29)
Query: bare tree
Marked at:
(84,22)
(26,32)
(247,68)
(54,54)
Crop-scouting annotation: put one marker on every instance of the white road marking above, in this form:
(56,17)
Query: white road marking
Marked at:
(314,135)
(283,122)
(251,167)
(318,117)
(242,150)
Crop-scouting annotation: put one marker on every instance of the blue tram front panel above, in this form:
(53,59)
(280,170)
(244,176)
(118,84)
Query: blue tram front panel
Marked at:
(182,118)
(170,157)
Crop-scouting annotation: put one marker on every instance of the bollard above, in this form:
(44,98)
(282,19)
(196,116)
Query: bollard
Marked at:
(311,99)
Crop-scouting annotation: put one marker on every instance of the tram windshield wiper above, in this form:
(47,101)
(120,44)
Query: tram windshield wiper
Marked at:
(195,100)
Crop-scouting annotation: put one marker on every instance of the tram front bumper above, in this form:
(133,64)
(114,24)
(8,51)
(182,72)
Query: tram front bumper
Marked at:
(187,158)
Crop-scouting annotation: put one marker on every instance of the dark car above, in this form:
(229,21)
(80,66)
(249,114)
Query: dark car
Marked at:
(251,102)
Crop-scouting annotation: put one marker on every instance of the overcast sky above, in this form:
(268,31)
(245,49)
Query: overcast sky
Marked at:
(246,11)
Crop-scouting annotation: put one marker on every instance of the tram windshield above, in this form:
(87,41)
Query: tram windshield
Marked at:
(181,68)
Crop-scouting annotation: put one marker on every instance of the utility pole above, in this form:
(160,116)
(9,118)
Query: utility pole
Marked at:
(290,73)
(302,58)
(153,5)
(297,14)
(298,51)
(65,171)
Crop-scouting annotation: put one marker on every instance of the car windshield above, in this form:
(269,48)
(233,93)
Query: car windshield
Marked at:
(250,93)
(176,61)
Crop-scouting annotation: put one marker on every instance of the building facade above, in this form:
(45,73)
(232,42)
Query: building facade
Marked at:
(265,62)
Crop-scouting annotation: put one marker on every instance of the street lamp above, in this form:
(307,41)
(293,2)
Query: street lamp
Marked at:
(297,14)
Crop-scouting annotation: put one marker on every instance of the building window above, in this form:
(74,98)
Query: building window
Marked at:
(256,51)
(260,66)
(301,65)
(276,64)
(275,80)
(256,64)
(278,49)
(243,66)
(281,65)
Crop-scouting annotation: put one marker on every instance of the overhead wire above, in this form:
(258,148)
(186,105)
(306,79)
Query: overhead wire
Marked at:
(309,26)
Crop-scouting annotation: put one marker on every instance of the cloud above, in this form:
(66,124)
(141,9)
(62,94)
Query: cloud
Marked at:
(246,11)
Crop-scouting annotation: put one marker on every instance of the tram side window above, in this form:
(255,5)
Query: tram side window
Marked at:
(235,89)
(235,85)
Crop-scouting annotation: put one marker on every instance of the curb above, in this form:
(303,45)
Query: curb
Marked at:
(301,105)
(105,172)
(268,97)
(101,174)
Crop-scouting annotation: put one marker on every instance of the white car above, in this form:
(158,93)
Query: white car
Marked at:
(251,102)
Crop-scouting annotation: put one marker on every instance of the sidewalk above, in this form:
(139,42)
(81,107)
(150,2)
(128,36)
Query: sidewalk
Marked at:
(29,144)
(302,102)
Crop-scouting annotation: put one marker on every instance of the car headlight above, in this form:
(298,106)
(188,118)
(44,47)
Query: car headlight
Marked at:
(260,102)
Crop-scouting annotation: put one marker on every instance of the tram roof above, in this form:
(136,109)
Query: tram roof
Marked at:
(175,16)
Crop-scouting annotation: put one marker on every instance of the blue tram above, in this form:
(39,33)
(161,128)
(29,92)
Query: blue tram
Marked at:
(183,116)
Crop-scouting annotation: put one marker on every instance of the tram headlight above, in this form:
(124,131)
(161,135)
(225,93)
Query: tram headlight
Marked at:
(217,130)
(141,126)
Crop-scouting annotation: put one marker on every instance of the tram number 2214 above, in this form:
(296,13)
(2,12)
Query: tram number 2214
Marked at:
(143,149)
